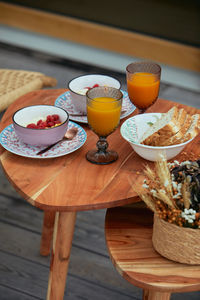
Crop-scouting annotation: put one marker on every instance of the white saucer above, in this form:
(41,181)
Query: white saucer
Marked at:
(64,101)
(10,141)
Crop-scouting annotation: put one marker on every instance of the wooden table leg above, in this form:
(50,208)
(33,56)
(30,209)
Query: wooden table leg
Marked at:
(62,241)
(155,295)
(47,232)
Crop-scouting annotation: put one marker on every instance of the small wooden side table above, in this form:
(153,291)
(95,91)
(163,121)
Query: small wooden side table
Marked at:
(128,231)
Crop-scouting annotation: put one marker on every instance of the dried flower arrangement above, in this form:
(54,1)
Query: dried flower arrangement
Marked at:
(172,192)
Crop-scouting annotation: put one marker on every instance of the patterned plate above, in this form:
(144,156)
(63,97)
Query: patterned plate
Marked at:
(11,142)
(64,101)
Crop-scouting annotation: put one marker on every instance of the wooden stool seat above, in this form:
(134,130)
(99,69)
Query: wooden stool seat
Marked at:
(128,231)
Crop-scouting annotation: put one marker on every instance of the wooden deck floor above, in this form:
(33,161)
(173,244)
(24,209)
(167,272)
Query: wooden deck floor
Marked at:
(24,273)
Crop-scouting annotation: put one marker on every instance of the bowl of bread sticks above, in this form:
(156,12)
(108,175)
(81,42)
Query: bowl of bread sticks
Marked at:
(152,134)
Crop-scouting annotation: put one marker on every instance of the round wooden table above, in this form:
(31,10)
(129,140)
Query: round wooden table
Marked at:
(64,185)
(128,233)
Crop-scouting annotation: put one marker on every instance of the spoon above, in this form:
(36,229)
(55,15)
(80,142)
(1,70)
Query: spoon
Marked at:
(69,135)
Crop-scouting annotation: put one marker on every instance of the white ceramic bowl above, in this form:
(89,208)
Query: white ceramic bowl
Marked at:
(32,114)
(132,130)
(79,85)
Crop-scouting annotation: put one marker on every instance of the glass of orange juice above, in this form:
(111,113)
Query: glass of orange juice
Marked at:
(143,83)
(103,113)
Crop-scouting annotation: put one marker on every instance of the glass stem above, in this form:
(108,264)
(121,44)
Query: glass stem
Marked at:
(102,144)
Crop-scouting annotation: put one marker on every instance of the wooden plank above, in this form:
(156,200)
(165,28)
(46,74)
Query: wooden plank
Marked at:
(28,277)
(89,272)
(6,293)
(89,256)
(22,275)
(89,233)
(84,263)
(99,36)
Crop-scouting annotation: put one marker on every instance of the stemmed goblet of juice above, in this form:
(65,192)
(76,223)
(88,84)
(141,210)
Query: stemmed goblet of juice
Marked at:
(103,113)
(143,83)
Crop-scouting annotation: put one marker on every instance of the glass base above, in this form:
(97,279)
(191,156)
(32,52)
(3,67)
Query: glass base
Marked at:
(101,158)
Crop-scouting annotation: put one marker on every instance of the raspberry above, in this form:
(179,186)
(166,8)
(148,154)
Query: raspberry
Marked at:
(51,121)
(50,124)
(55,117)
(50,118)
(32,125)
(57,122)
(39,122)
(44,123)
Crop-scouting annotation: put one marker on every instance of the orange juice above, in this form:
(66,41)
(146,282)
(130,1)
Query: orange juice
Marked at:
(143,89)
(103,115)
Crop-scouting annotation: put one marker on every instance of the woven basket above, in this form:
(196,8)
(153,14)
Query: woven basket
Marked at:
(176,243)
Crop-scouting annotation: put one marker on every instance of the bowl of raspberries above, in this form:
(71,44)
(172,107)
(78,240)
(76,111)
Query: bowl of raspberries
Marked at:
(40,125)
(79,86)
